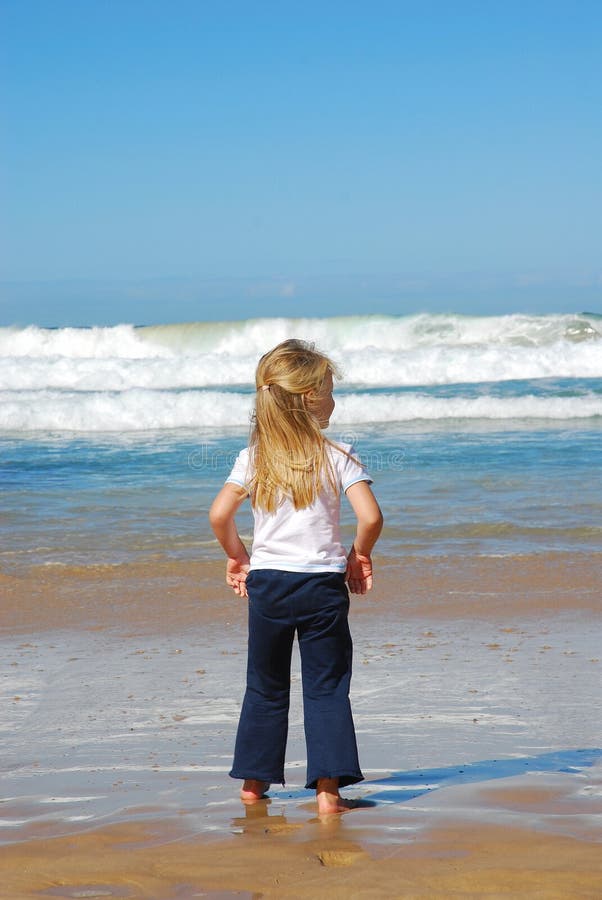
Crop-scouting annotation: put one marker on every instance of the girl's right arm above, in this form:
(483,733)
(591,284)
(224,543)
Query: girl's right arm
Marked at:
(369,527)
(221,517)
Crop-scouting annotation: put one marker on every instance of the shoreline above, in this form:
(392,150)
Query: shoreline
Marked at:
(136,595)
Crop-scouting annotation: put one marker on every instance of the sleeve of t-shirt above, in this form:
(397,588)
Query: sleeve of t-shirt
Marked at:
(240,470)
(351,469)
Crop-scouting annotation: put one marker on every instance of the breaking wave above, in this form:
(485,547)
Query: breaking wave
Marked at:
(201,373)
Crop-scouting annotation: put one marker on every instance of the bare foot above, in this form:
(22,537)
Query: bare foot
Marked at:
(329,800)
(253,790)
(333,804)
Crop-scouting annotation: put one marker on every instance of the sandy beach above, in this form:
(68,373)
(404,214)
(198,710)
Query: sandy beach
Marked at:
(475,688)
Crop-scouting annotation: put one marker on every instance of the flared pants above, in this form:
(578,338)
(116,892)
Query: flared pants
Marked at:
(315,607)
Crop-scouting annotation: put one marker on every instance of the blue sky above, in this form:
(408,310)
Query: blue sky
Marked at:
(179,160)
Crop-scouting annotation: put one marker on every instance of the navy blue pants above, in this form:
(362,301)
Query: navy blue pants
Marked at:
(316,607)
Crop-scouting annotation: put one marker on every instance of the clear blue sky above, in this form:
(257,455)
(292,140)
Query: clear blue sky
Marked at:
(169,160)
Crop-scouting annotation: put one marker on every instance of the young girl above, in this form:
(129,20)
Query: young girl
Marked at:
(295,578)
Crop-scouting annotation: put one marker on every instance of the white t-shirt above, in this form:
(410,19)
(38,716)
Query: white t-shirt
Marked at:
(302,540)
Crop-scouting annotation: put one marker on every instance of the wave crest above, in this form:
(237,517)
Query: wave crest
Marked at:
(148,410)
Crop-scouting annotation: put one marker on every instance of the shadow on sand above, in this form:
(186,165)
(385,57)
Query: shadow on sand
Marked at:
(401,786)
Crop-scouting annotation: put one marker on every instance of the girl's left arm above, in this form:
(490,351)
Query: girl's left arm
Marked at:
(369,526)
(221,517)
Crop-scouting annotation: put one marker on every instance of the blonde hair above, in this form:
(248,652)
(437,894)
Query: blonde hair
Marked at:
(288,449)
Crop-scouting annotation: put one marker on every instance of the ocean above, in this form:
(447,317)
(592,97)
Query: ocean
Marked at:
(482,433)
(475,657)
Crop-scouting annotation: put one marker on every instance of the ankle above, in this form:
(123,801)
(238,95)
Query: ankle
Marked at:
(253,790)
(327,786)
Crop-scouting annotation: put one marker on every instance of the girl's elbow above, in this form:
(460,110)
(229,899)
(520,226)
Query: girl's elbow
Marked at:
(373,520)
(217,517)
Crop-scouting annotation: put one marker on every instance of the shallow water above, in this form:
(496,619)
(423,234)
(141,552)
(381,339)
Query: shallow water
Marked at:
(101,727)
(119,498)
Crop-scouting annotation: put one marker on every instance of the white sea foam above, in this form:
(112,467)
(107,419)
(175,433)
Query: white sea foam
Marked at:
(253,336)
(169,376)
(147,410)
(368,367)
(119,341)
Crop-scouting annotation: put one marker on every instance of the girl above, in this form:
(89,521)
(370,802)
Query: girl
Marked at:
(295,578)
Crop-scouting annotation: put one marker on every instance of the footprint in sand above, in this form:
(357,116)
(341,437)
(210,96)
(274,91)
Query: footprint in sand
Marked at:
(338,858)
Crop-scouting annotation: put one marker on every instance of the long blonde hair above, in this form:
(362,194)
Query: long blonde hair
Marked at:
(288,449)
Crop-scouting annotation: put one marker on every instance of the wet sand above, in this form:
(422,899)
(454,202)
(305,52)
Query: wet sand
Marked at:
(137,595)
(313,861)
(475,689)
